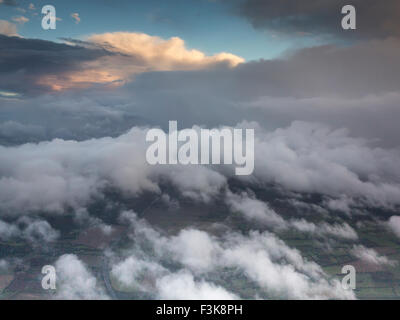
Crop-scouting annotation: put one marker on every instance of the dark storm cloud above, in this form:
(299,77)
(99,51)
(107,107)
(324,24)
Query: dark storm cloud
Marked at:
(374,18)
(24,61)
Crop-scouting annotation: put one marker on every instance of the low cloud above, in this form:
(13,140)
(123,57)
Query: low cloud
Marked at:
(255,210)
(182,286)
(260,257)
(58,177)
(4,265)
(75,281)
(394,225)
(304,158)
(33,230)
(371,256)
(341,231)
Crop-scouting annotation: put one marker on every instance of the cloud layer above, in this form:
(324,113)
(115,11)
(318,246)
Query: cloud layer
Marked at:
(260,257)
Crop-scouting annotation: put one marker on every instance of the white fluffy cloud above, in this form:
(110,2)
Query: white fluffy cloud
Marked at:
(304,157)
(394,225)
(278,270)
(254,209)
(57,175)
(342,231)
(160,54)
(34,230)
(128,271)
(182,286)
(370,256)
(310,157)
(259,212)
(39,231)
(8,231)
(259,256)
(4,265)
(135,53)
(75,281)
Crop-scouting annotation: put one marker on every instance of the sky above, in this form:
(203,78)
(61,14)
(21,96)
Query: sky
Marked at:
(76,103)
(224,29)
